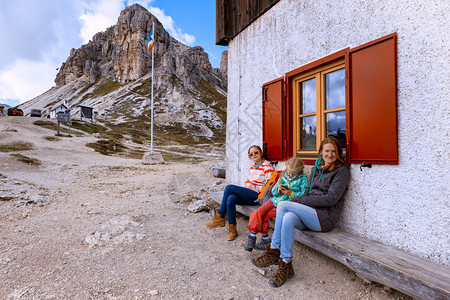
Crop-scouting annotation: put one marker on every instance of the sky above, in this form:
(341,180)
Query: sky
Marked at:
(37,36)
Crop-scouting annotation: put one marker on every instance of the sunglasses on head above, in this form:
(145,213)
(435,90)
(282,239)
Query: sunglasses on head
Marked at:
(253,153)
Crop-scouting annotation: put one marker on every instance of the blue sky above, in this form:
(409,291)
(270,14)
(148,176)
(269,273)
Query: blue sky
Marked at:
(37,36)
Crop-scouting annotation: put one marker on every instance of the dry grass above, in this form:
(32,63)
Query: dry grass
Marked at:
(51,138)
(88,127)
(16,146)
(26,159)
(107,147)
(46,124)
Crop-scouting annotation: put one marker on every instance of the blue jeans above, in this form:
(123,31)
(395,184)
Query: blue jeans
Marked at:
(292,215)
(233,195)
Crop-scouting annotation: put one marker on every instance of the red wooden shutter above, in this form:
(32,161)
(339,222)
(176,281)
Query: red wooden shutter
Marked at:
(372,124)
(274,128)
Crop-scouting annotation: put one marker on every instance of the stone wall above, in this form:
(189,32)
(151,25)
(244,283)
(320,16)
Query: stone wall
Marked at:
(405,205)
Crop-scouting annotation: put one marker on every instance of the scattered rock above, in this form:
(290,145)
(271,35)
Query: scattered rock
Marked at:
(123,229)
(219,169)
(217,182)
(220,173)
(218,165)
(198,206)
(260,271)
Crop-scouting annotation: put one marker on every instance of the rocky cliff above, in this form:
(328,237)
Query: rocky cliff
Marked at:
(112,74)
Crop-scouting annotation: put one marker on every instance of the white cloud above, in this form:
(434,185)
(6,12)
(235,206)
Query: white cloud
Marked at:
(169,25)
(28,28)
(98,16)
(26,79)
(45,31)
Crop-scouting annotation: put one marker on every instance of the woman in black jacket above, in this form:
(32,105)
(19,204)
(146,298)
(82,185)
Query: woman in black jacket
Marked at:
(317,209)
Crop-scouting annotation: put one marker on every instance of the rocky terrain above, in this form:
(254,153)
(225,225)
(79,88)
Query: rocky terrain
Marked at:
(82,218)
(76,224)
(112,74)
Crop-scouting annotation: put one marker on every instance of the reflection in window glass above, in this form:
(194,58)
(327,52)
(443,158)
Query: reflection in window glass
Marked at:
(335,89)
(335,126)
(307,96)
(308,133)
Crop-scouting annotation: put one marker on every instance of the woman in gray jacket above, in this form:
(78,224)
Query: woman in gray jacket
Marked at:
(317,209)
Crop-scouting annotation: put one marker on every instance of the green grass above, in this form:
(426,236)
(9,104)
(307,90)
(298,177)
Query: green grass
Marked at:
(16,146)
(26,159)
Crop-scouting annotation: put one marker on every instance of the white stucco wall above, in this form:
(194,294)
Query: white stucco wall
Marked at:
(405,205)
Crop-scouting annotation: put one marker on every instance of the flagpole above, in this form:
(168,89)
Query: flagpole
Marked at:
(151,157)
(151,126)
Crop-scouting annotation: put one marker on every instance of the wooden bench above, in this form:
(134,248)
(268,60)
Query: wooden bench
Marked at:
(385,264)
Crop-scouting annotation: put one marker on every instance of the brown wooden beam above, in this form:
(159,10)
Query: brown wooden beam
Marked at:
(233,16)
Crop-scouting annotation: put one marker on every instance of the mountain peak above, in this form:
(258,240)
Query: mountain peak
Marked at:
(112,74)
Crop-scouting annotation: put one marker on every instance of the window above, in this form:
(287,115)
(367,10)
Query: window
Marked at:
(351,95)
(318,108)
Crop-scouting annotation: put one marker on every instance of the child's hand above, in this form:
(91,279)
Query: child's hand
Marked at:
(287,191)
(280,189)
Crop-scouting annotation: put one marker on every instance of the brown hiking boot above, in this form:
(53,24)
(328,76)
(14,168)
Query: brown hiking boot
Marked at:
(285,271)
(269,257)
(232,233)
(218,221)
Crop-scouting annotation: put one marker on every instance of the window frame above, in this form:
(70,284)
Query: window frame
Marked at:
(289,76)
(371,112)
(320,113)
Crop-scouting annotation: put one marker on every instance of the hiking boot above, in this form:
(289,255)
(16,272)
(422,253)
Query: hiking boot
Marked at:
(250,243)
(261,245)
(285,271)
(218,221)
(269,257)
(232,233)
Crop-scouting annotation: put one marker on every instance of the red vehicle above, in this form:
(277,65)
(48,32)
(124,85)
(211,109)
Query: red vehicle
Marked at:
(13,111)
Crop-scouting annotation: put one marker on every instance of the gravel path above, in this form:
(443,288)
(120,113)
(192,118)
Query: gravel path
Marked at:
(87,226)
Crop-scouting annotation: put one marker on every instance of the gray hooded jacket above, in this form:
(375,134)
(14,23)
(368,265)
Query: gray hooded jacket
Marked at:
(325,193)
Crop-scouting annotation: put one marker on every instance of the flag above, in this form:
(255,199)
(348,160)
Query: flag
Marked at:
(151,41)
